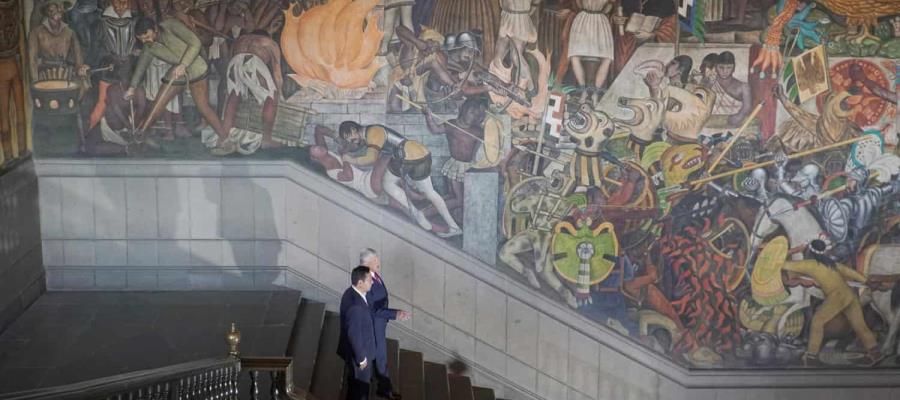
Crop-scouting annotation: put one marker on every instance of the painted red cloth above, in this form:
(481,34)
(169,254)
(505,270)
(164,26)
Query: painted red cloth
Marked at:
(701,297)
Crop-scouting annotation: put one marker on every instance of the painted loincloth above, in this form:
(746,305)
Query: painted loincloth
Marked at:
(248,75)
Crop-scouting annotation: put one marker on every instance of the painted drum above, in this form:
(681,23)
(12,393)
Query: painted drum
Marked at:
(55,97)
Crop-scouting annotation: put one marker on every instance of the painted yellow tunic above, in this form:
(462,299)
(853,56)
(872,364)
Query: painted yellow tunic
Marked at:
(839,299)
(831,281)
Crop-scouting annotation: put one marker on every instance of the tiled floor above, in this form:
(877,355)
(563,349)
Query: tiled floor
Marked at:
(68,337)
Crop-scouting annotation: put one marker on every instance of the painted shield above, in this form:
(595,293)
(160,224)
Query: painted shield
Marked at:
(765,281)
(837,222)
(567,238)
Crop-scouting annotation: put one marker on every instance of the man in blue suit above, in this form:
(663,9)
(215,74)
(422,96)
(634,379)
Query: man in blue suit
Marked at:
(357,342)
(381,314)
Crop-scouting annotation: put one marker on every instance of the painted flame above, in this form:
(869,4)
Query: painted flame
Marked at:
(334,43)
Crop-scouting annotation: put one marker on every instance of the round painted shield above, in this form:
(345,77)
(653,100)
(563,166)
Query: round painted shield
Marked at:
(835,217)
(765,281)
(565,245)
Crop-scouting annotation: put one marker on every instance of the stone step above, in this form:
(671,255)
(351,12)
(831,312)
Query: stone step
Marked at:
(328,376)
(393,360)
(393,367)
(437,386)
(482,393)
(461,388)
(304,345)
(412,375)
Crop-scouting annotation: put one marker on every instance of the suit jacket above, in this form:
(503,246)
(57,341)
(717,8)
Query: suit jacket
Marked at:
(381,314)
(357,342)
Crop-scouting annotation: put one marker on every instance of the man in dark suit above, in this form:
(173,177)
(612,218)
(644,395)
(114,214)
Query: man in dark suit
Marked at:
(381,314)
(357,342)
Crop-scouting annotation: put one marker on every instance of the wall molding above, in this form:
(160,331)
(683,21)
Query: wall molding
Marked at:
(406,230)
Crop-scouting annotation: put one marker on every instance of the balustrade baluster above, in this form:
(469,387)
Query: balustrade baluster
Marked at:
(192,387)
(228,383)
(274,390)
(221,381)
(226,386)
(208,386)
(182,389)
(214,385)
(235,382)
(225,382)
(217,382)
(198,386)
(254,385)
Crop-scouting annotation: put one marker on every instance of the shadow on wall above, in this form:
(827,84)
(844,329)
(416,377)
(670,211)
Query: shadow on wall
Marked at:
(167,232)
(239,210)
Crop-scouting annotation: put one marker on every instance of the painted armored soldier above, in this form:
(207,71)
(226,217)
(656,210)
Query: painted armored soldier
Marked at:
(116,48)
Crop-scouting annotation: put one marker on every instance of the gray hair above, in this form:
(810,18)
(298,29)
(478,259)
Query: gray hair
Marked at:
(366,254)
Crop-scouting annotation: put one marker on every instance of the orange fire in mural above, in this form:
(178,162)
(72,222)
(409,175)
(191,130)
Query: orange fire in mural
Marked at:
(333,44)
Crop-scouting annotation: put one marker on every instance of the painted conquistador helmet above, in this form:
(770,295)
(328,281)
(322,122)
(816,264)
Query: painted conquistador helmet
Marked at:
(860,175)
(450,42)
(466,39)
(807,175)
(460,41)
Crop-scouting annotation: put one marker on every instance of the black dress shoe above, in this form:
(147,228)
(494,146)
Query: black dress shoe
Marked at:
(390,395)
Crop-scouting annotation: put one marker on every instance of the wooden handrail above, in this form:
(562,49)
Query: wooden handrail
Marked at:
(265,363)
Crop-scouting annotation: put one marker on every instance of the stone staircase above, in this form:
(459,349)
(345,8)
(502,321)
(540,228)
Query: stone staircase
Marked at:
(318,371)
(110,333)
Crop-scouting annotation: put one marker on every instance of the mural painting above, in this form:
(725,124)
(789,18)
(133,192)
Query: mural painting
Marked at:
(717,180)
(15,140)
